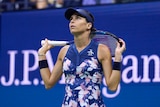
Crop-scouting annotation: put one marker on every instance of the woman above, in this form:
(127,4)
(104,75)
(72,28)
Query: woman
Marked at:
(84,63)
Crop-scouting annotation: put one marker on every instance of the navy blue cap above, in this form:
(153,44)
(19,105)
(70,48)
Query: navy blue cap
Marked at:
(84,13)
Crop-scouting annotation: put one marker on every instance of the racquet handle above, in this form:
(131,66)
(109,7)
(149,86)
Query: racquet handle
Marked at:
(55,43)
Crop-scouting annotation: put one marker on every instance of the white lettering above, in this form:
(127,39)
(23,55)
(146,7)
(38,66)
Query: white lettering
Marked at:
(12,55)
(130,73)
(146,66)
(108,95)
(133,69)
(26,67)
(62,80)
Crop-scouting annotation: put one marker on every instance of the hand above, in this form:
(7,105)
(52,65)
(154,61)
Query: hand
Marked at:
(121,47)
(45,47)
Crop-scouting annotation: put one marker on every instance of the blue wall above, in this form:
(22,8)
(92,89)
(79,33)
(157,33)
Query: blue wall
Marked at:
(21,33)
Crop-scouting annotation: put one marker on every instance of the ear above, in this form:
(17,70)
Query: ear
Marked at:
(89,25)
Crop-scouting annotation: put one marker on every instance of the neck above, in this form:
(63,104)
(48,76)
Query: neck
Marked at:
(81,41)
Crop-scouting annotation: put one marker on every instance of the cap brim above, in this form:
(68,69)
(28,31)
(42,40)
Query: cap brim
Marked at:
(81,12)
(69,12)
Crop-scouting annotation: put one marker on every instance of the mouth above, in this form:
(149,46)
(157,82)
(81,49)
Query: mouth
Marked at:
(72,26)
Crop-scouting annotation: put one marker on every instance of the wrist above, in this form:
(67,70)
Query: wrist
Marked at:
(43,64)
(41,54)
(117,66)
(118,58)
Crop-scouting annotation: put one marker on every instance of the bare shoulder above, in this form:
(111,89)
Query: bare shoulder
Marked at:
(103,52)
(63,52)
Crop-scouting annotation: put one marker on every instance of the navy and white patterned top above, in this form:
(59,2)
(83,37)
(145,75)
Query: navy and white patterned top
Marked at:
(83,76)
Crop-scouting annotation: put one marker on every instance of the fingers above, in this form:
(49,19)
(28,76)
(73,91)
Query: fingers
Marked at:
(47,45)
(46,41)
(121,44)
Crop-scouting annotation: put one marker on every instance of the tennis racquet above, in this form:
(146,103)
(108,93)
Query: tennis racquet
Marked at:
(103,37)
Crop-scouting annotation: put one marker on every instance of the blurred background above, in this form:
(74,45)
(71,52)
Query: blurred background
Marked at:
(24,23)
(14,5)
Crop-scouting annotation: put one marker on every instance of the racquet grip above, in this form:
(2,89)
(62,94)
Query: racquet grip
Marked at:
(55,43)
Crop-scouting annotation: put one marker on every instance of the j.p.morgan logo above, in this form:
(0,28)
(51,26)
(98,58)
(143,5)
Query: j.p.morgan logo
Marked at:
(140,69)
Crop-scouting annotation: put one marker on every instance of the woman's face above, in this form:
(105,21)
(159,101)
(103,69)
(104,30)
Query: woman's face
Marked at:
(78,24)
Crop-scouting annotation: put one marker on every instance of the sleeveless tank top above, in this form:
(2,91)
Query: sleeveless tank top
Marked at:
(83,76)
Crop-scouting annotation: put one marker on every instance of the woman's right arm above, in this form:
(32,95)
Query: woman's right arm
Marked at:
(50,78)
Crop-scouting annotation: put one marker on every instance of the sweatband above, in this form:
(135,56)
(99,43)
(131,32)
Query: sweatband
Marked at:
(43,64)
(117,66)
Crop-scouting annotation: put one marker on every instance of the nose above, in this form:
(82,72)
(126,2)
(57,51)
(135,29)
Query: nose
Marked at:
(72,20)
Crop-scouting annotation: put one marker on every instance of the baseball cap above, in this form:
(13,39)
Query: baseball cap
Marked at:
(84,13)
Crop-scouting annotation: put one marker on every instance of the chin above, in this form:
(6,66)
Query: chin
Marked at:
(73,32)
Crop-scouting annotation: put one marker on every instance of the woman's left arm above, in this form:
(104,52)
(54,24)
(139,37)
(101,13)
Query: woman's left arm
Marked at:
(112,76)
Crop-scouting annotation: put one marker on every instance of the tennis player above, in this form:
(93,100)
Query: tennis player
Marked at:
(84,63)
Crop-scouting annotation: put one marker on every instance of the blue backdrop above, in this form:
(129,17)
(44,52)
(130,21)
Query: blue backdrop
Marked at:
(21,33)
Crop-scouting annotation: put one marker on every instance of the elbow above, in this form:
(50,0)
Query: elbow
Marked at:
(113,88)
(48,86)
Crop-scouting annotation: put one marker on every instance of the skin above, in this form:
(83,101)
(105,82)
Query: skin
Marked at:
(80,29)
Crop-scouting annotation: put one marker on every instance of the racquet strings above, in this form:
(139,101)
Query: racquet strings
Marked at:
(107,39)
